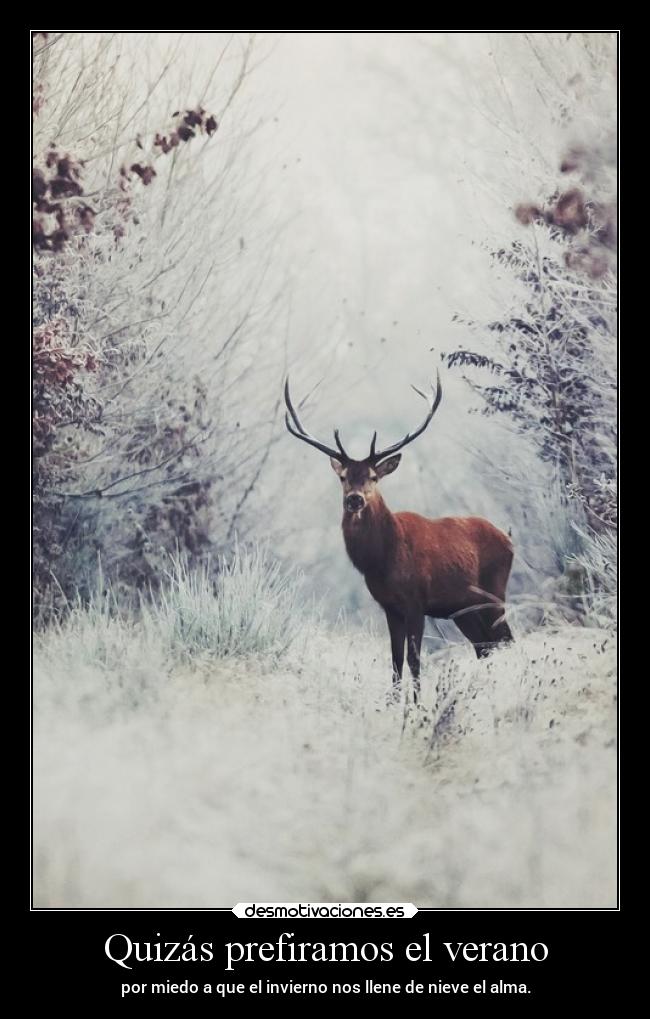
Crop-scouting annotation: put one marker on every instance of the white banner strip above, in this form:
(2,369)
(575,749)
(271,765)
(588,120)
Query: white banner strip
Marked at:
(324,910)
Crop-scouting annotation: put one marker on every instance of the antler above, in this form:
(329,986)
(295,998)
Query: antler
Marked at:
(300,433)
(433,402)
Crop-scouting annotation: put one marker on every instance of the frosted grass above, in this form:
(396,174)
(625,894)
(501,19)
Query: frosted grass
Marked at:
(201,779)
(245,605)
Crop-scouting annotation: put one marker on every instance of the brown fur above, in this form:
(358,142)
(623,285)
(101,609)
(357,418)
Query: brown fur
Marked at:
(416,567)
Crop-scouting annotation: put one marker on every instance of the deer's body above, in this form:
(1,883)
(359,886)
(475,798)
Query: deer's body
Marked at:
(416,567)
(412,564)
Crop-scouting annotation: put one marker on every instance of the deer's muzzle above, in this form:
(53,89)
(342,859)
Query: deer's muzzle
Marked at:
(354,502)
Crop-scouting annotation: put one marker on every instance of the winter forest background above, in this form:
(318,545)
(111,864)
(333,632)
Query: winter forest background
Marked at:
(212,211)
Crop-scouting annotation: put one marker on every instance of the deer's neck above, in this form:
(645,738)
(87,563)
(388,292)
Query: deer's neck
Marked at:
(370,537)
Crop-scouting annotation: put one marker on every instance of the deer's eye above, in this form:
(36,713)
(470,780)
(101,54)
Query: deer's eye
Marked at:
(373,477)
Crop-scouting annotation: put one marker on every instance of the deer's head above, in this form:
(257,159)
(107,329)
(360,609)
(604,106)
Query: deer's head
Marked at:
(359,478)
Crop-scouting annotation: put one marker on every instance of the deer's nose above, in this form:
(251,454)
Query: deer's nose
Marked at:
(354,502)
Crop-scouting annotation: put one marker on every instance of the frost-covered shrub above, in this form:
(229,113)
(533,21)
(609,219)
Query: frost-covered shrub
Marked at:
(246,604)
(545,362)
(551,367)
(242,605)
(596,562)
(549,363)
(142,312)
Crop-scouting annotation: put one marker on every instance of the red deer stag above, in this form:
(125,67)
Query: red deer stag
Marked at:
(453,567)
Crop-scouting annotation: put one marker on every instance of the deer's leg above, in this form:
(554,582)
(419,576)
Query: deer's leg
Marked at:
(414,631)
(397,628)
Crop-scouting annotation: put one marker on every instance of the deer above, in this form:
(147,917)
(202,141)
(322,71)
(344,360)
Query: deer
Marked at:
(416,567)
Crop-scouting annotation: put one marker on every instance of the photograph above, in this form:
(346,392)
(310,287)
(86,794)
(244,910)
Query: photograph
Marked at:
(324,396)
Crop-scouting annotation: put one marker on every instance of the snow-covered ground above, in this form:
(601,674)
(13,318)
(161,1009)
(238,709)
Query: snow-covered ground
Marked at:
(163,784)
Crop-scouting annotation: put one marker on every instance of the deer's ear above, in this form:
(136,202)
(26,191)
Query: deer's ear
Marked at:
(388,466)
(337,465)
